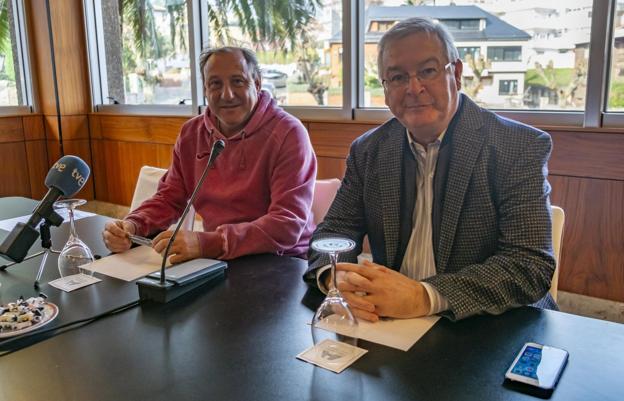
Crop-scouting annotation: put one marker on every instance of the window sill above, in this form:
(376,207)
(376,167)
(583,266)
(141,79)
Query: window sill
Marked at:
(164,110)
(15,111)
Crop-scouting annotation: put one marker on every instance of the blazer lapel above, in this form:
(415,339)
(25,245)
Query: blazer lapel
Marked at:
(466,146)
(389,175)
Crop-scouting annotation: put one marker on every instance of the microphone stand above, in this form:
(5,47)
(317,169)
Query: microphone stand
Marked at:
(46,244)
(164,291)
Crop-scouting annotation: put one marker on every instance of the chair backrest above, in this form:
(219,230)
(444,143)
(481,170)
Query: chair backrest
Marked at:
(324,194)
(146,186)
(558,220)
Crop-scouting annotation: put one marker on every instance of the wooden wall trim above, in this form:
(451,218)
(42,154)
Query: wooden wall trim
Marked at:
(23,148)
(592,155)
(592,258)
(11,129)
(33,127)
(334,141)
(163,130)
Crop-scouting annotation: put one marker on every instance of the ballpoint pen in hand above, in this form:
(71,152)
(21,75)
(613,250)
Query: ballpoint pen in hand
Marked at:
(137,239)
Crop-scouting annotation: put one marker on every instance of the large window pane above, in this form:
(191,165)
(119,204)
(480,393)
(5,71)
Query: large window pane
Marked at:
(616,83)
(147,51)
(298,43)
(517,54)
(11,93)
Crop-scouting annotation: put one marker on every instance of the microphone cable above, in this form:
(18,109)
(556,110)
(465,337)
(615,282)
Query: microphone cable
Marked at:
(62,328)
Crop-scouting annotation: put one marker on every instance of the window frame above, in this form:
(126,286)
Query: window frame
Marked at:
(504,50)
(96,57)
(23,57)
(594,114)
(510,83)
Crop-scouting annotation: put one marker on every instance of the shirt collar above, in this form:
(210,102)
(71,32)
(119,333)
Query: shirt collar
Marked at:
(415,145)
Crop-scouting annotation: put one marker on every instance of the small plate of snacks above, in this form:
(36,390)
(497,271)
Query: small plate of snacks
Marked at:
(26,315)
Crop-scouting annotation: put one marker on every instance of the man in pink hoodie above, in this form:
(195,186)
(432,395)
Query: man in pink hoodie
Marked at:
(258,195)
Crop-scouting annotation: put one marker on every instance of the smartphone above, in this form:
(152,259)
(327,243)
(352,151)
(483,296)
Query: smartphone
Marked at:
(538,365)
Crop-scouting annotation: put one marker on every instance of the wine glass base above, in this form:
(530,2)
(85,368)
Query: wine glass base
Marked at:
(334,352)
(334,321)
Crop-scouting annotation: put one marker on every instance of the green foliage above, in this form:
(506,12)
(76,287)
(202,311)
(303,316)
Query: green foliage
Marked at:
(8,73)
(276,57)
(6,51)
(564,82)
(616,96)
(139,16)
(312,71)
(372,81)
(278,23)
(5,34)
(371,78)
(177,15)
(560,76)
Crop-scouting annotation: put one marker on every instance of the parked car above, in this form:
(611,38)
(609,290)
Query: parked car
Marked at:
(277,78)
(269,87)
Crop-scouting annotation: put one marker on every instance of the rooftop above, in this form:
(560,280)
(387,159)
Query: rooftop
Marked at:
(495,29)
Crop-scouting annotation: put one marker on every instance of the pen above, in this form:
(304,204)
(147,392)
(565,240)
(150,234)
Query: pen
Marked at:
(140,240)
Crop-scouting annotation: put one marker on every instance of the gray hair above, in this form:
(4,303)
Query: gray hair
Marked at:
(250,59)
(414,25)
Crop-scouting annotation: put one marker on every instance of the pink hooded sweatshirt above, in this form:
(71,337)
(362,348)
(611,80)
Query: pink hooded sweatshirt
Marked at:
(258,195)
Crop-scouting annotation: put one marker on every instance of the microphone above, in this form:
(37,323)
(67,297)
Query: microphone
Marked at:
(66,177)
(188,275)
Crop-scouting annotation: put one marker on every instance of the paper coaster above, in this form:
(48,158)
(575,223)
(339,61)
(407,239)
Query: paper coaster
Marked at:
(73,282)
(332,355)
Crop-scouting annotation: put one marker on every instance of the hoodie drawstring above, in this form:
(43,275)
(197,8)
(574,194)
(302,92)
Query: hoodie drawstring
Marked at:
(242,163)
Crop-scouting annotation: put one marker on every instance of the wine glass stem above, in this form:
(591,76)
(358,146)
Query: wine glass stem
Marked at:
(72,227)
(333,258)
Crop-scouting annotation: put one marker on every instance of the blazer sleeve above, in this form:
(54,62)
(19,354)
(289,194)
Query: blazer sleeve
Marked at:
(345,217)
(520,270)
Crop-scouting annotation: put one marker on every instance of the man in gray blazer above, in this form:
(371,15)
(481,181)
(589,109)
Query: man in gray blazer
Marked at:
(454,199)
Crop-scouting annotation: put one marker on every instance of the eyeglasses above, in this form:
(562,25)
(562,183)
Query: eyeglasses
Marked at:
(425,75)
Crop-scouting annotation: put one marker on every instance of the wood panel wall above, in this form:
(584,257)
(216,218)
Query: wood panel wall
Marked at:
(72,78)
(24,156)
(122,145)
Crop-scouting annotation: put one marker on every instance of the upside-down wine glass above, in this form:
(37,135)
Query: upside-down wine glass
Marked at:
(75,253)
(334,320)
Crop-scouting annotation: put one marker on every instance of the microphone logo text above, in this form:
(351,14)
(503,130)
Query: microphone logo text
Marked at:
(79,178)
(60,167)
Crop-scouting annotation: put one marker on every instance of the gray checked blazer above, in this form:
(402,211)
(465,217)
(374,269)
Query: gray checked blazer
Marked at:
(491,215)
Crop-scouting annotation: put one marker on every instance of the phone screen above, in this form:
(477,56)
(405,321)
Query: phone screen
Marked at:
(540,364)
(528,363)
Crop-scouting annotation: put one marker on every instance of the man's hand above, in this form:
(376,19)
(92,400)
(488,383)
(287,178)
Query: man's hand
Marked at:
(115,235)
(185,247)
(375,291)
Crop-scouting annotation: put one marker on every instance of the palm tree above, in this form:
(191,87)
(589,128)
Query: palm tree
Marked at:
(8,47)
(278,23)
(4,27)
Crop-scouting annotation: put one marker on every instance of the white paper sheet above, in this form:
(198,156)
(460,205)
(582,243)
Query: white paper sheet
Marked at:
(8,224)
(396,333)
(128,266)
